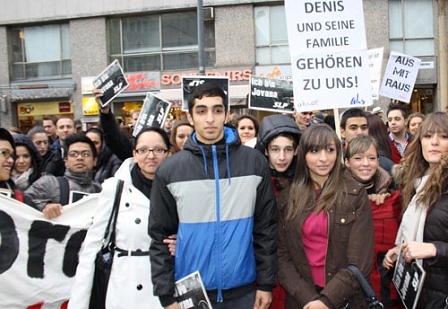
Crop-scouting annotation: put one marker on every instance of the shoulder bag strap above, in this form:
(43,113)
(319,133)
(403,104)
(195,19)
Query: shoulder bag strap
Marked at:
(64,188)
(371,298)
(109,234)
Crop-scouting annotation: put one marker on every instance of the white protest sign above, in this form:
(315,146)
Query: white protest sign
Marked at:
(332,81)
(38,257)
(375,62)
(400,76)
(325,26)
(329,59)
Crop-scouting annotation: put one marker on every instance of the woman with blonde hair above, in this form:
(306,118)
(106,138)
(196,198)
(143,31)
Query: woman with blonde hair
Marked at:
(423,233)
(325,223)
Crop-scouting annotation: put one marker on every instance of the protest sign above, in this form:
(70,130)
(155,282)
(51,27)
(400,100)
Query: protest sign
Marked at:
(111,82)
(375,62)
(408,279)
(38,257)
(153,113)
(190,292)
(189,83)
(399,77)
(274,95)
(328,54)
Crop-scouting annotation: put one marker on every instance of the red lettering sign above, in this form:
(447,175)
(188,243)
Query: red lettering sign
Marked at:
(234,76)
(141,82)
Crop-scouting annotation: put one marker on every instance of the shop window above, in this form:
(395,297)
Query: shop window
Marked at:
(160,42)
(271,36)
(40,52)
(411,27)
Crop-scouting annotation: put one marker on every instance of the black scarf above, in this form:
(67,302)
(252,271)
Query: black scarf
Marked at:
(141,182)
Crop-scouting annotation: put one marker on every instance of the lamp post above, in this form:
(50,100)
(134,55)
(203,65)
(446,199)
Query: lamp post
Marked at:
(201,48)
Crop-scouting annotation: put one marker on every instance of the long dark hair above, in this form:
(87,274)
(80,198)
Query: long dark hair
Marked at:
(303,194)
(378,130)
(414,164)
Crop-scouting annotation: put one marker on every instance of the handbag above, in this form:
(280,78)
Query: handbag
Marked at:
(104,257)
(369,294)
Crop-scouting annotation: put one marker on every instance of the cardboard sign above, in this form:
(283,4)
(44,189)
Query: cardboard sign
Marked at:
(153,113)
(400,76)
(329,57)
(274,95)
(189,83)
(111,82)
(408,280)
(38,257)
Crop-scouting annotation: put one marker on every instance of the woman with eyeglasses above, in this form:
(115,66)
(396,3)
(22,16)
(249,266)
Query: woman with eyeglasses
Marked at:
(7,185)
(130,283)
(28,162)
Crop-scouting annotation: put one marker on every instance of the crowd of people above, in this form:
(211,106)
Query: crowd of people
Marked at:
(270,212)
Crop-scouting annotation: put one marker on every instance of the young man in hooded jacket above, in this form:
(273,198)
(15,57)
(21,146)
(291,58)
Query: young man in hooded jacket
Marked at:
(216,195)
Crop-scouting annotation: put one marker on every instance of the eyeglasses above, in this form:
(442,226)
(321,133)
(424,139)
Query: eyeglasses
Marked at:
(75,154)
(38,143)
(6,153)
(155,151)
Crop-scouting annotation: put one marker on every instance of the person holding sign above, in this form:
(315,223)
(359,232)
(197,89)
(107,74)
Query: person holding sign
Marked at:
(424,190)
(216,195)
(326,223)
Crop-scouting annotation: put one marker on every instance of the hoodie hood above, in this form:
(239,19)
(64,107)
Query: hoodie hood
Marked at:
(272,126)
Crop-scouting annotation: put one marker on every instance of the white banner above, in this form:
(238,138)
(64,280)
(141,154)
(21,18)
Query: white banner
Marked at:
(400,76)
(38,257)
(329,59)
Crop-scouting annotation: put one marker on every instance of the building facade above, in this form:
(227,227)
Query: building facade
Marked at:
(53,49)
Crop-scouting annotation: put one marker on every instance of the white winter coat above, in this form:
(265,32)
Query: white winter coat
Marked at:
(130,283)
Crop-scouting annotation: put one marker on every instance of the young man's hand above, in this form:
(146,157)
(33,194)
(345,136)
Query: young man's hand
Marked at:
(52,210)
(262,300)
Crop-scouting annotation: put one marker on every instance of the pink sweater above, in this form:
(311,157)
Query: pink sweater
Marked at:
(315,239)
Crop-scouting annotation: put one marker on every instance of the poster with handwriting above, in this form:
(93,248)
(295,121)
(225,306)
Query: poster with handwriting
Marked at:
(329,59)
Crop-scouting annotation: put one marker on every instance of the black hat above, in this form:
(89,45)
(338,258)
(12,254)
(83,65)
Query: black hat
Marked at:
(6,136)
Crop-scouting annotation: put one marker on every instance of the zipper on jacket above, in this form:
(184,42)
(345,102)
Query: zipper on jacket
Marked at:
(218,224)
(328,240)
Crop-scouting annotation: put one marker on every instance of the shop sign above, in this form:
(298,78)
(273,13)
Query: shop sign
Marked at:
(234,76)
(89,106)
(138,81)
(43,108)
(64,107)
(277,72)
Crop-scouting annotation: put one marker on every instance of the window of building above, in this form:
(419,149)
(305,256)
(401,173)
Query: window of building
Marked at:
(271,36)
(160,42)
(411,27)
(41,52)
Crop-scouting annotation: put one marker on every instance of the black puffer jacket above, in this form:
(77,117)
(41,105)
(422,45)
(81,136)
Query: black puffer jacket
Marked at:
(106,166)
(436,232)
